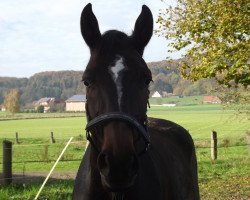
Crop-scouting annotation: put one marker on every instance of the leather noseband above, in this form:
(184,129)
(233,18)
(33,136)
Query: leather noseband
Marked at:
(118,116)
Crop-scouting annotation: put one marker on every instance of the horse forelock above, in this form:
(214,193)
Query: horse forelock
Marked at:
(113,42)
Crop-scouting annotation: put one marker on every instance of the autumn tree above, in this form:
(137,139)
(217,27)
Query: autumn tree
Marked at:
(11,101)
(215,35)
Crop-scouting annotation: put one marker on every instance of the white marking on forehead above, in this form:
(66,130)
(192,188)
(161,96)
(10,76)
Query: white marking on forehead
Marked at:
(119,66)
(116,74)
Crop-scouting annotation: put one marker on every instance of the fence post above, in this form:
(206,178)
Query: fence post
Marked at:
(214,145)
(248,142)
(52,139)
(7,162)
(17,139)
(46,153)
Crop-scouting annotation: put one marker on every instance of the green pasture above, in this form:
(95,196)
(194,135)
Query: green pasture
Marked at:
(226,178)
(180,101)
(41,128)
(10,116)
(200,120)
(37,157)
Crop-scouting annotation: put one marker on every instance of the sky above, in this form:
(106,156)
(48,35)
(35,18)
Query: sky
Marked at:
(38,36)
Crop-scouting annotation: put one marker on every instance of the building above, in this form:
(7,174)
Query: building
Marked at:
(211,99)
(2,108)
(156,94)
(169,104)
(167,94)
(76,103)
(46,102)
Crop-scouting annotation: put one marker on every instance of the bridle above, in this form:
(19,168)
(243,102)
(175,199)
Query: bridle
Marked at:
(118,116)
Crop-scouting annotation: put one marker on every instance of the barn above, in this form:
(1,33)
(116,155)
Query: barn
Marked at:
(211,99)
(46,102)
(76,103)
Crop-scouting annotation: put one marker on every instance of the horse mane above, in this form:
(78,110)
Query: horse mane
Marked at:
(113,42)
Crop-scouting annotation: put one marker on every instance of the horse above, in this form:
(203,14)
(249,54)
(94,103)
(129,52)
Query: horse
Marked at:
(130,156)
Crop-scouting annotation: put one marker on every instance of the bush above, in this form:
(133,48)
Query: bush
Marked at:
(40,109)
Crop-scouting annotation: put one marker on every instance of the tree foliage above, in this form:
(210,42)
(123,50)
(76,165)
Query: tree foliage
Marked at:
(40,109)
(8,83)
(215,35)
(11,101)
(61,85)
(237,99)
(64,84)
(166,77)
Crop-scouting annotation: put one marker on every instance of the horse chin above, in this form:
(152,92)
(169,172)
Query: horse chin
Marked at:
(118,187)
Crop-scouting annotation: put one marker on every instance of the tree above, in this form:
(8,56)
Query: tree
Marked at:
(40,109)
(237,99)
(215,35)
(11,101)
(162,86)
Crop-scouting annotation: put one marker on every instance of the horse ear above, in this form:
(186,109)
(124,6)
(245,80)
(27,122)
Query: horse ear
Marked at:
(143,29)
(89,26)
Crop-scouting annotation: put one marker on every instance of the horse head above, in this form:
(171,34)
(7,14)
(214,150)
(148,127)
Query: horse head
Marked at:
(117,80)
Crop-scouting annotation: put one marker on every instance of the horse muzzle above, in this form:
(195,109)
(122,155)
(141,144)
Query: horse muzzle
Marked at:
(117,175)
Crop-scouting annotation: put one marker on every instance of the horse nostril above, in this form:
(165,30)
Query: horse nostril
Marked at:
(103,164)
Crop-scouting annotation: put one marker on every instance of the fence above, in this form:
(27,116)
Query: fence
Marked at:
(20,156)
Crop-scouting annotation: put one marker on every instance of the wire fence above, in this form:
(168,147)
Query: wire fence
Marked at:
(33,161)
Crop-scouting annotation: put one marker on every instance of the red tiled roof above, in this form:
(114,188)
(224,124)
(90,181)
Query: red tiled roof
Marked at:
(211,99)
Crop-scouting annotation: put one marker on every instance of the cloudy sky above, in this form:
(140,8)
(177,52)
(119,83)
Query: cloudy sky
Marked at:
(44,35)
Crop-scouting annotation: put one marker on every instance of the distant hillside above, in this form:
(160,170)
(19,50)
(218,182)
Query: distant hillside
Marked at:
(63,84)
(7,83)
(166,77)
(59,84)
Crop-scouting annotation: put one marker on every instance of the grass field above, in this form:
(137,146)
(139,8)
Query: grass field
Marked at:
(199,120)
(8,116)
(189,100)
(224,179)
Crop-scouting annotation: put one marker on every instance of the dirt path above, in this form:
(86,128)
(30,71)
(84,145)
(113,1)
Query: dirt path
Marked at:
(38,177)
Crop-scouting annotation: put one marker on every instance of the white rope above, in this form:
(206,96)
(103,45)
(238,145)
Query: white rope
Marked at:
(52,169)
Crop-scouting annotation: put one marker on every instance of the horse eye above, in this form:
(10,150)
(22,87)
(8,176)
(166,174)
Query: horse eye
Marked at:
(86,83)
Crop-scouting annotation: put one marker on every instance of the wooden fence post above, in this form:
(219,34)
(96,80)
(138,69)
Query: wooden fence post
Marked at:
(17,139)
(46,153)
(52,139)
(214,145)
(7,162)
(248,142)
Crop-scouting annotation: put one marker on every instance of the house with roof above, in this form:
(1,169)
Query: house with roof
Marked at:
(211,99)
(76,103)
(156,94)
(2,108)
(46,102)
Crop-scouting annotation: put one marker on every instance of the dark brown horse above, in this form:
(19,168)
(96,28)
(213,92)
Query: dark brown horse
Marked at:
(130,157)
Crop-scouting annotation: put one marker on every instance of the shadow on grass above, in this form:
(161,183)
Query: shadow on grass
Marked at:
(59,186)
(38,177)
